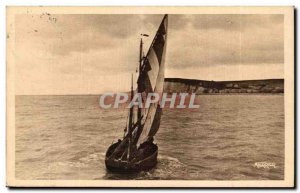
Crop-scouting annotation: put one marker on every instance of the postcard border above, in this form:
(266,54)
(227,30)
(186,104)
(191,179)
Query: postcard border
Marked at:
(289,102)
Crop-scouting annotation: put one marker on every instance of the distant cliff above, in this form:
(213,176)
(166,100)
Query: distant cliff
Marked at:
(215,87)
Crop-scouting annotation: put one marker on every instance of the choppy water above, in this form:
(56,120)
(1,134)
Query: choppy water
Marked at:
(65,137)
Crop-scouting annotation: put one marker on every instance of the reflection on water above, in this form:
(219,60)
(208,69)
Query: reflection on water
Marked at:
(65,137)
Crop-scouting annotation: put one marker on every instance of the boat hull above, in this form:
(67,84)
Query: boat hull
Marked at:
(145,163)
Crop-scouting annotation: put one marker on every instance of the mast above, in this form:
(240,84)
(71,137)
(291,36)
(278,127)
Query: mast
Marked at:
(139,89)
(130,122)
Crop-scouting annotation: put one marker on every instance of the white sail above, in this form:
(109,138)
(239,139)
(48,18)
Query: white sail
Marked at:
(151,79)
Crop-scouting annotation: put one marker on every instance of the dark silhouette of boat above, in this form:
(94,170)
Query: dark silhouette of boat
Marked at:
(136,151)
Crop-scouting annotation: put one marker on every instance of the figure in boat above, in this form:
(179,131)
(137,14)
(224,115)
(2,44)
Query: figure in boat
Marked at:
(136,151)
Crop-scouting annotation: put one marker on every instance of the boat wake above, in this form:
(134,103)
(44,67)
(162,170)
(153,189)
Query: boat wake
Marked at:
(167,168)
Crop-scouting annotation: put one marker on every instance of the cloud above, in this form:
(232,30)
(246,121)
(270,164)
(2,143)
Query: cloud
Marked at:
(227,39)
(235,21)
(82,33)
(84,47)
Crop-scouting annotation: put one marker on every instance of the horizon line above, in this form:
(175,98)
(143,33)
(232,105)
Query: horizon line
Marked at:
(91,94)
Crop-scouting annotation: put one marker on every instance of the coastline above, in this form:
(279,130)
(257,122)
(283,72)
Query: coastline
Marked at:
(265,86)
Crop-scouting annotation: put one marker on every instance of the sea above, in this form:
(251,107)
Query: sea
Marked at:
(230,137)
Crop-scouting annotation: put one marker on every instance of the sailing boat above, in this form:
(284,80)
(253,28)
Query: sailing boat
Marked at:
(136,151)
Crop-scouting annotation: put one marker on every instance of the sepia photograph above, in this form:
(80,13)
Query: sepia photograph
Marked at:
(150,96)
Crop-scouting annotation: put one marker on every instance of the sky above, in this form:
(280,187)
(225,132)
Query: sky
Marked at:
(93,54)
